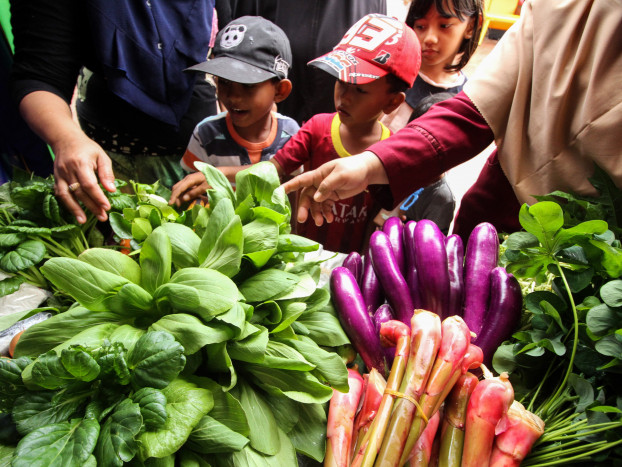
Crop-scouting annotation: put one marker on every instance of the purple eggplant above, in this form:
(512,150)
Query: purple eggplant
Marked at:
(383,314)
(482,255)
(394,227)
(411,275)
(373,296)
(355,320)
(455,262)
(354,263)
(390,277)
(503,313)
(431,263)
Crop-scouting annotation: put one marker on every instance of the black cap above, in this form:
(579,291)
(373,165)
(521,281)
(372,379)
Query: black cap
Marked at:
(249,50)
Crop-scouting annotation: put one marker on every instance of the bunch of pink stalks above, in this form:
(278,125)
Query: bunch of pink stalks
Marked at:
(431,410)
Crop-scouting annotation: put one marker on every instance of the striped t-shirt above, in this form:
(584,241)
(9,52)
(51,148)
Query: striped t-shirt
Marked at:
(215,141)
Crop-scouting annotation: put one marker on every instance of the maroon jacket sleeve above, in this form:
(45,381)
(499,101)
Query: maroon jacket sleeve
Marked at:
(450,133)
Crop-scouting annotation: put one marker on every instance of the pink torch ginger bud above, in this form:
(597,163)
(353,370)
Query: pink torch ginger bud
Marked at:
(515,435)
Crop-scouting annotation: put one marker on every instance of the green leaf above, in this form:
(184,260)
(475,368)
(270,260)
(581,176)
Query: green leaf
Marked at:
(25,255)
(155,260)
(79,364)
(267,284)
(141,229)
(602,320)
(152,403)
(204,292)
(36,409)
(611,259)
(186,405)
(297,385)
(117,444)
(114,262)
(263,435)
(211,436)
(121,226)
(611,293)
(329,364)
(49,372)
(190,331)
(251,349)
(610,345)
(248,456)
(226,254)
(324,329)
(260,181)
(156,359)
(281,355)
(222,215)
(260,236)
(87,284)
(309,434)
(296,243)
(184,245)
(10,285)
(58,445)
(216,179)
(544,220)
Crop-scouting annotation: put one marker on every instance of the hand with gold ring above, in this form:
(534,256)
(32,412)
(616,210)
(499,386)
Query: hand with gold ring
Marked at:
(73,187)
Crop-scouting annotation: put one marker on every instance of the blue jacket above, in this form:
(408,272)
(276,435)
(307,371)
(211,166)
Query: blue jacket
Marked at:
(144,46)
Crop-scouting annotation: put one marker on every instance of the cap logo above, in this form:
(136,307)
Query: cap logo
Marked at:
(232,35)
(371,32)
(383,57)
(281,66)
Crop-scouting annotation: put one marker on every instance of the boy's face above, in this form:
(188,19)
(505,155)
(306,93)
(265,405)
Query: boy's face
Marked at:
(247,104)
(362,103)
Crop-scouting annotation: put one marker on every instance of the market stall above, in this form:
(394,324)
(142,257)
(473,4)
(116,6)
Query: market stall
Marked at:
(213,336)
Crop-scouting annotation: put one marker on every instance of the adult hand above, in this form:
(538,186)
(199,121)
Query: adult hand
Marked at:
(337,179)
(78,166)
(190,188)
(78,161)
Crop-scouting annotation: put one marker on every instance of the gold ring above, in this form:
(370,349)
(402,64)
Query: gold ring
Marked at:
(73,187)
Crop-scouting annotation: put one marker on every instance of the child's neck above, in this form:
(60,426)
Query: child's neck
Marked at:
(357,138)
(258,132)
(439,74)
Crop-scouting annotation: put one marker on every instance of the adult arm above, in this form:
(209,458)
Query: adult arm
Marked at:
(48,55)
(450,133)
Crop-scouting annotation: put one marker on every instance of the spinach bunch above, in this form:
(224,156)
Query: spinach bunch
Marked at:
(105,405)
(565,361)
(243,303)
(34,226)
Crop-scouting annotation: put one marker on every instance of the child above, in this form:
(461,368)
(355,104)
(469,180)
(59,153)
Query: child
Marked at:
(375,62)
(251,60)
(448,31)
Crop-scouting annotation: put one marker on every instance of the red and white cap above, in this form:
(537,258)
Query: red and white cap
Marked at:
(374,47)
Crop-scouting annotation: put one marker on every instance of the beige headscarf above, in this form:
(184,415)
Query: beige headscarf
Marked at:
(551,90)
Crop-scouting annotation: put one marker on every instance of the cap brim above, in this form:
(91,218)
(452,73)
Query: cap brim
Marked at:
(350,70)
(233,70)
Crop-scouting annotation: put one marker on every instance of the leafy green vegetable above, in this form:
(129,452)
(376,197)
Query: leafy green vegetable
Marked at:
(568,349)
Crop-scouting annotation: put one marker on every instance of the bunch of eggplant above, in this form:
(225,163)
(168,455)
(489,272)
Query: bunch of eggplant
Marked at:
(413,265)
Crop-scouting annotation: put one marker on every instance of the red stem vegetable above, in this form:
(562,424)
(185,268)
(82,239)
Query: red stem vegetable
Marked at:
(388,272)
(488,403)
(373,391)
(355,320)
(341,411)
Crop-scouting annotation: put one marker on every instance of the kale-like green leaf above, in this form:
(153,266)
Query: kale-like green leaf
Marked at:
(156,359)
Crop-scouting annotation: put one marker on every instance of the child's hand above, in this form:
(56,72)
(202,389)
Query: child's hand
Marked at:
(190,188)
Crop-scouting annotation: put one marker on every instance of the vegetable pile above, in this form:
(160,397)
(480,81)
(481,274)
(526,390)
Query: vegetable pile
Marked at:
(209,343)
(432,409)
(414,266)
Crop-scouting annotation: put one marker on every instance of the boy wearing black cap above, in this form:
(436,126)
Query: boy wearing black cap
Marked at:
(251,60)
(375,62)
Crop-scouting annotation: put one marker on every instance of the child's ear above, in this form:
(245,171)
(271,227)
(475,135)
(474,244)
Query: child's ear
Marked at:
(394,102)
(283,88)
(468,33)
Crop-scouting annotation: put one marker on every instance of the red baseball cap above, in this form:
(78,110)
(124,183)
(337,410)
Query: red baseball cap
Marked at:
(374,47)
